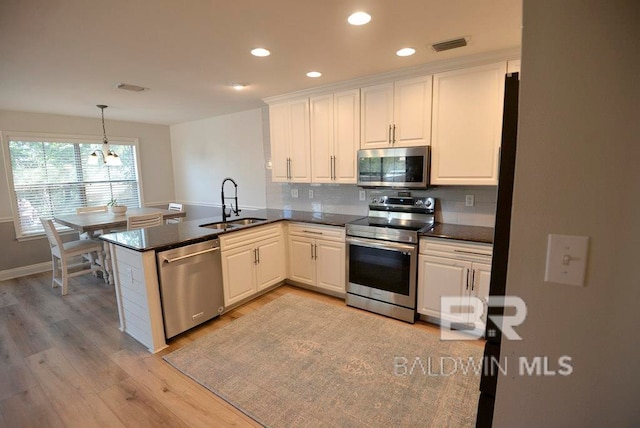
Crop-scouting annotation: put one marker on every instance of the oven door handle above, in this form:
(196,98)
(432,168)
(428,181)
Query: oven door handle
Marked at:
(393,246)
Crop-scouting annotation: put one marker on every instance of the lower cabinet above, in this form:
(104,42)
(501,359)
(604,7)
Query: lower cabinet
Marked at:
(317,256)
(138,296)
(252,260)
(448,268)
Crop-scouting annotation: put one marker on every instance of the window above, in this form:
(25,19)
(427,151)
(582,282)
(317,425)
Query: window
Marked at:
(51,176)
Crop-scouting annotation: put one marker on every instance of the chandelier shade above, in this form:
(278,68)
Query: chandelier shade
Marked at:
(109,157)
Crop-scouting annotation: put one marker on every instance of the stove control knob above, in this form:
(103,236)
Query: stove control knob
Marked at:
(419,202)
(427,203)
(374,200)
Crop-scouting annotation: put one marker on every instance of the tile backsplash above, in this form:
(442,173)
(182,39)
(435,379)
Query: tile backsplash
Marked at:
(344,199)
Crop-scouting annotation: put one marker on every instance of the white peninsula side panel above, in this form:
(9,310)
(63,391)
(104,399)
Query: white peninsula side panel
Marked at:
(138,295)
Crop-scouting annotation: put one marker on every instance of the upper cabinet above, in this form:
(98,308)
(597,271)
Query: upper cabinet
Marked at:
(467,125)
(457,112)
(290,142)
(396,114)
(335,136)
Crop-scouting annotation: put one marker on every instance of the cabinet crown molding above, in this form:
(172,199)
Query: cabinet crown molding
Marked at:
(419,70)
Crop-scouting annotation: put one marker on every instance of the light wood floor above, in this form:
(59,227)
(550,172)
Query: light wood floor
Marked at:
(64,363)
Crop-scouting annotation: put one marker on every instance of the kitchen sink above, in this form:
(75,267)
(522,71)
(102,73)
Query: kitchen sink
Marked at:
(234,223)
(246,221)
(220,225)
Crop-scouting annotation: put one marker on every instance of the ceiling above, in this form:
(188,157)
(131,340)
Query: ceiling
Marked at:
(66,56)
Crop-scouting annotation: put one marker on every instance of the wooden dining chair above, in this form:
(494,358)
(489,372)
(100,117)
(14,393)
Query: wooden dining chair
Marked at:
(144,220)
(173,206)
(89,210)
(63,252)
(95,209)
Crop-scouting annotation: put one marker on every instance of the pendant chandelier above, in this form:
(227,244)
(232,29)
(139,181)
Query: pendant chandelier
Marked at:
(109,157)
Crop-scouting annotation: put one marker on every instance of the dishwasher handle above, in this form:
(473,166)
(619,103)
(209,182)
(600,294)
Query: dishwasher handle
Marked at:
(197,253)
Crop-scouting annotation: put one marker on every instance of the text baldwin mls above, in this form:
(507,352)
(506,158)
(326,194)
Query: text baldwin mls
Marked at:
(449,366)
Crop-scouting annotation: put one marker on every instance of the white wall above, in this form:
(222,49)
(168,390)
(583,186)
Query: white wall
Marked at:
(577,173)
(154,148)
(208,150)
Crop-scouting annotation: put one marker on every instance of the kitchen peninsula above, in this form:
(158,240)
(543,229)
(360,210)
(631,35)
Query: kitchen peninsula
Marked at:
(136,272)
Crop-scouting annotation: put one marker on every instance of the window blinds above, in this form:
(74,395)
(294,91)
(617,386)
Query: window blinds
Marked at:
(54,178)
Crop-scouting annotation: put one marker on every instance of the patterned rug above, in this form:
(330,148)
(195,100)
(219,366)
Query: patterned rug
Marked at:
(300,362)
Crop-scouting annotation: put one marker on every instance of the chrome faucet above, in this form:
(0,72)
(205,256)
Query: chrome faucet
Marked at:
(235,210)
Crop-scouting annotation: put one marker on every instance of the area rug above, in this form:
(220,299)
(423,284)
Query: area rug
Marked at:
(299,362)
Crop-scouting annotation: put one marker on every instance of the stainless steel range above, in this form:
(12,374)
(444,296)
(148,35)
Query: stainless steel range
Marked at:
(382,255)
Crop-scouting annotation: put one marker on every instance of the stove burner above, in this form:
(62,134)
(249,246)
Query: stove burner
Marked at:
(398,219)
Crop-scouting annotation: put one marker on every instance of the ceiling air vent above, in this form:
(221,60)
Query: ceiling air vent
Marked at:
(129,87)
(449,44)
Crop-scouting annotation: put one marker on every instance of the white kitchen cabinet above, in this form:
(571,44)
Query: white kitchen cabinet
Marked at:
(467,125)
(335,137)
(455,269)
(252,260)
(271,262)
(302,266)
(330,261)
(290,142)
(396,114)
(138,296)
(317,256)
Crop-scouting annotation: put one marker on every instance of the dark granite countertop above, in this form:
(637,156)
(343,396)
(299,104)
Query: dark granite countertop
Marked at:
(461,232)
(190,232)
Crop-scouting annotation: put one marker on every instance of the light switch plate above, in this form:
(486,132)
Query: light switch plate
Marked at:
(566,259)
(310,193)
(469,200)
(362,195)
(294,193)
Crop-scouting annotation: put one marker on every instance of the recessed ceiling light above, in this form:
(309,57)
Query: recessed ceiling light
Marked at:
(314,74)
(406,52)
(238,86)
(260,52)
(359,18)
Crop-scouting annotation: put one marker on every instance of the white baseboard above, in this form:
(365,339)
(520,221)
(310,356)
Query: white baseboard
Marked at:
(24,270)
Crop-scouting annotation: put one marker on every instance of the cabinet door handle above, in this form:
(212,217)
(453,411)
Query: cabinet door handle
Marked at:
(334,167)
(315,251)
(389,136)
(394,134)
(290,173)
(467,269)
(473,280)
(258,254)
(312,231)
(311,245)
(255,256)
(331,167)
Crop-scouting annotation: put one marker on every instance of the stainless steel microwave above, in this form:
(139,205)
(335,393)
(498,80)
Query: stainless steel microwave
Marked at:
(400,168)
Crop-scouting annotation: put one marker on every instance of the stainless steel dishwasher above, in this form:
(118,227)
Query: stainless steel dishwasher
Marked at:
(190,285)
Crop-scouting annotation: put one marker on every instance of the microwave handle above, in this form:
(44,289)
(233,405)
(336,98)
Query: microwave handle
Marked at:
(393,246)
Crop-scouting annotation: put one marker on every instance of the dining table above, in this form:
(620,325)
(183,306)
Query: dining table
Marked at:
(93,223)
(96,223)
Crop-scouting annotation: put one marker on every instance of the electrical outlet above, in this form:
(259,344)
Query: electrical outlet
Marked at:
(469,201)
(363,195)
(294,193)
(310,193)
